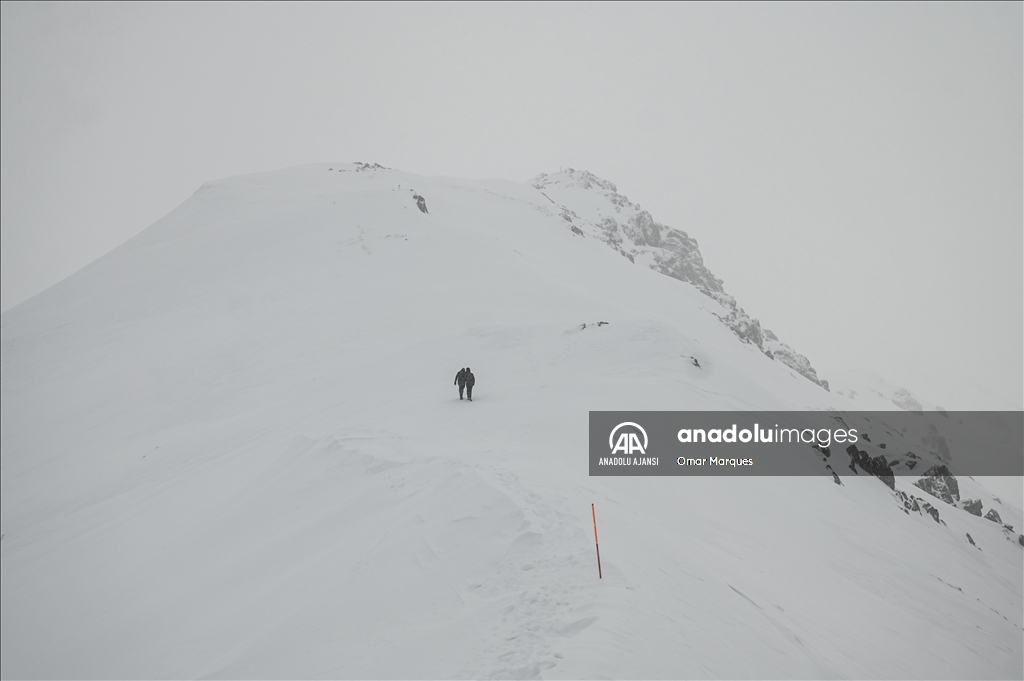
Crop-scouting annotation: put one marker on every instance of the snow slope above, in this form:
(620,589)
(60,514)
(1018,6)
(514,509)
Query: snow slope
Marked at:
(868,391)
(231,448)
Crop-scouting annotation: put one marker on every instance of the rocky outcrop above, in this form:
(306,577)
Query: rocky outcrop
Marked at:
(910,503)
(876,466)
(993,515)
(932,511)
(917,505)
(633,233)
(750,331)
(365,167)
(743,325)
(791,358)
(972,506)
(940,483)
(911,461)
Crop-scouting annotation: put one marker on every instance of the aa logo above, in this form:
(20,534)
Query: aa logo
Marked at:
(628,441)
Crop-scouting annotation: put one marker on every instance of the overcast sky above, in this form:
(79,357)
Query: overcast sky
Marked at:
(853,172)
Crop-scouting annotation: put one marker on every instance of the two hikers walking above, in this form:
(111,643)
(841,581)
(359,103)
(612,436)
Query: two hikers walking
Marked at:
(465,380)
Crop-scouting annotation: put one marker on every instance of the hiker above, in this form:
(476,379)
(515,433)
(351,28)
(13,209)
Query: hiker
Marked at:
(470,382)
(460,380)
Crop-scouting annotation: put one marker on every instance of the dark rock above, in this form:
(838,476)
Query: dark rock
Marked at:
(919,506)
(576,230)
(932,511)
(876,466)
(421,203)
(973,506)
(970,540)
(1020,540)
(940,483)
(881,445)
(909,502)
(993,515)
(914,460)
(912,503)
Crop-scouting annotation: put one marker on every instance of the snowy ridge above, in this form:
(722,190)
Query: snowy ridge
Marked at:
(232,448)
(633,233)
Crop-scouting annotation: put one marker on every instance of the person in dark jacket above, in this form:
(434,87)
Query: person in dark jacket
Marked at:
(470,382)
(460,380)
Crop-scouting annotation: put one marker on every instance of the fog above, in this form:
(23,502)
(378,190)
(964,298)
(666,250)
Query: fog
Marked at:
(853,172)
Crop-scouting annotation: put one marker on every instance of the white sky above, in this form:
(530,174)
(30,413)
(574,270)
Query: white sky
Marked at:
(853,172)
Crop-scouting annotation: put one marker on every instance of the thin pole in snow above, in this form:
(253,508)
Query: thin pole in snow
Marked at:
(593,514)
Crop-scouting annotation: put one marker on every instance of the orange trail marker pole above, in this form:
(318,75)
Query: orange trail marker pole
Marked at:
(593,514)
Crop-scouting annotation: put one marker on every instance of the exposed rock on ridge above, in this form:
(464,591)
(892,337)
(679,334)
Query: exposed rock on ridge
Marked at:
(940,483)
(631,231)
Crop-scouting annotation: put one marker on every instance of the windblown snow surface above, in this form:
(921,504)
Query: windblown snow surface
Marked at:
(232,448)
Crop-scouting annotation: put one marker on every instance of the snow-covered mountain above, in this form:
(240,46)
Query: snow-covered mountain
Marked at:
(232,448)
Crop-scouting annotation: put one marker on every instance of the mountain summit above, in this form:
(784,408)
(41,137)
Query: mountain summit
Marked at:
(232,447)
